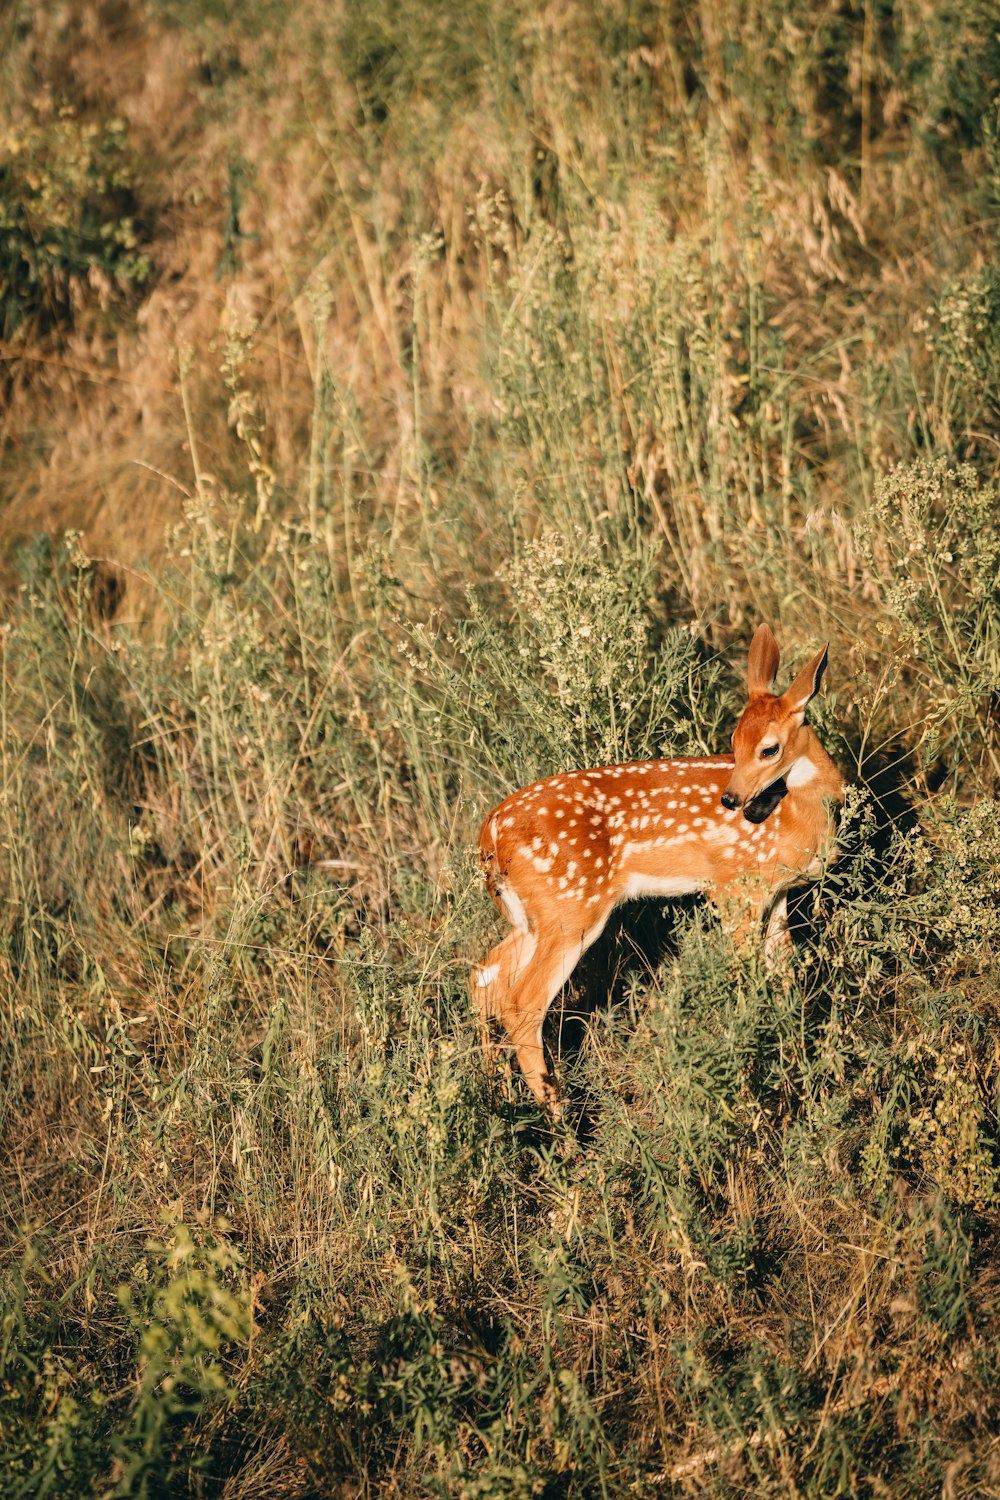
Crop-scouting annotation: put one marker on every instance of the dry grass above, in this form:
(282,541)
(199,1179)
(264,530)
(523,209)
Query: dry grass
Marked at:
(490,376)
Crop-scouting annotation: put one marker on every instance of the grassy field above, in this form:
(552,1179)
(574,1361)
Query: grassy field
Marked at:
(400,403)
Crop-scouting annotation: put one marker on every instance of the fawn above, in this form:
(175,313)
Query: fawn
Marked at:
(561,854)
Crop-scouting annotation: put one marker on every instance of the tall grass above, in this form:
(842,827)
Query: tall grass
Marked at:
(548,355)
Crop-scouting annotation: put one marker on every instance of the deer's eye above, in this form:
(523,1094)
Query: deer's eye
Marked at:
(769,751)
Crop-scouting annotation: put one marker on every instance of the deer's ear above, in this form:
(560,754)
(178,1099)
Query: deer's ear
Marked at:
(806,685)
(762,665)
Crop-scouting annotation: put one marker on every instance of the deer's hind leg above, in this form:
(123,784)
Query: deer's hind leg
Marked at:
(523,1005)
(494,978)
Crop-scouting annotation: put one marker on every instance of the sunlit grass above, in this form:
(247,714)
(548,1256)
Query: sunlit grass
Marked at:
(543,362)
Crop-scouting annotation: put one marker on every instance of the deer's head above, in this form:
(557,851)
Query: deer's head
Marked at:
(770,743)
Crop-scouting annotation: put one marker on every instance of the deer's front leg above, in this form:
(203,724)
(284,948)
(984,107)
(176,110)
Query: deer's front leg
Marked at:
(740,906)
(777,938)
(743,910)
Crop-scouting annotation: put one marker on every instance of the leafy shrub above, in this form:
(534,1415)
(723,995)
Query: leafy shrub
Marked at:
(571,670)
(191,1313)
(68,230)
(932,543)
(186,1304)
(965,334)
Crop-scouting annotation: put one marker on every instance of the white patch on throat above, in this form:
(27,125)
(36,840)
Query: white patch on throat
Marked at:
(800,773)
(487,976)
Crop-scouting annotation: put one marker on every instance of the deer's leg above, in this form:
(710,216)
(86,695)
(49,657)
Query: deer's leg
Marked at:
(494,977)
(777,938)
(742,913)
(740,906)
(524,1006)
(518,983)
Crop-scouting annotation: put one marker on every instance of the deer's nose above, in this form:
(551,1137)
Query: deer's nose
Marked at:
(730,800)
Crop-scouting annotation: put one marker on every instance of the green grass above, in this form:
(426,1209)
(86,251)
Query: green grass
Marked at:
(547,356)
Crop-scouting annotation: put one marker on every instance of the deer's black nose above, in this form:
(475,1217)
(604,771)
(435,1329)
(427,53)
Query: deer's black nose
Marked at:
(730,800)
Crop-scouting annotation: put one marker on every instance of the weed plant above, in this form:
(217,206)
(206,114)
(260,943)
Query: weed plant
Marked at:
(527,365)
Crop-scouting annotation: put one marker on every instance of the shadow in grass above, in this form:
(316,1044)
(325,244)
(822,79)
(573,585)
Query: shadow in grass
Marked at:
(639,937)
(891,784)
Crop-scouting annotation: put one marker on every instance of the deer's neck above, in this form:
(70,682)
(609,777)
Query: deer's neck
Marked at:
(813,775)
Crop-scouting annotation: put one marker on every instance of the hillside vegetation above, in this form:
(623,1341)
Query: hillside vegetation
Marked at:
(401,402)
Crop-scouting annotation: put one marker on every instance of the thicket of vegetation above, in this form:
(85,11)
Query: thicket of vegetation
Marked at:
(401,402)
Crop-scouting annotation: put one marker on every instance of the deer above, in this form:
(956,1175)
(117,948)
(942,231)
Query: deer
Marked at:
(560,855)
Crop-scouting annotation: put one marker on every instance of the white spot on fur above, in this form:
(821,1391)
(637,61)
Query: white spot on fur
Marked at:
(722,834)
